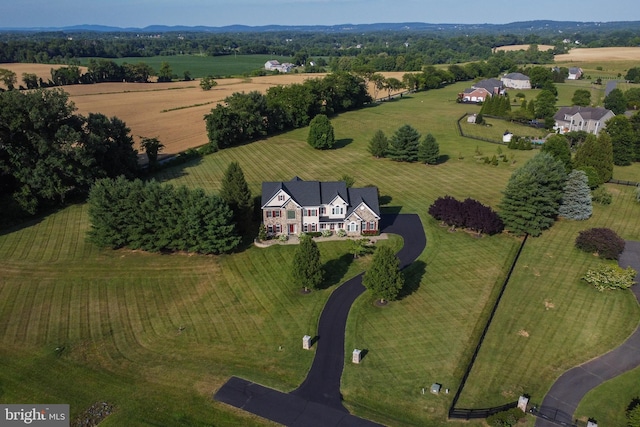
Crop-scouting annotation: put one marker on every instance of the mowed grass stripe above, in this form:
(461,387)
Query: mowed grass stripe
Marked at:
(536,320)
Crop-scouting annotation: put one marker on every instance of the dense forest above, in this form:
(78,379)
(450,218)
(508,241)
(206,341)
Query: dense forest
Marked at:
(425,45)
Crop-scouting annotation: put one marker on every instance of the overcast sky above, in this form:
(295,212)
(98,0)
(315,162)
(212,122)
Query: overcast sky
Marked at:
(141,13)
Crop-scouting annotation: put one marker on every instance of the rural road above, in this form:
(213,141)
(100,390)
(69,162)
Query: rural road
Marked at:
(565,394)
(318,401)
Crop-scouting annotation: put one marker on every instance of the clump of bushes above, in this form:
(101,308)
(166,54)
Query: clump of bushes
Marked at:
(341,232)
(469,214)
(603,241)
(609,277)
(326,233)
(602,196)
(506,418)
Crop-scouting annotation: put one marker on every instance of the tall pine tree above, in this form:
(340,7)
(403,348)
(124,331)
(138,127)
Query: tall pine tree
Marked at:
(598,154)
(235,192)
(306,269)
(404,145)
(576,200)
(384,279)
(532,196)
(429,150)
(622,138)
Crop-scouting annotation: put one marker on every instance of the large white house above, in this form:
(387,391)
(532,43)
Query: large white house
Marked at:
(275,65)
(588,119)
(299,206)
(516,81)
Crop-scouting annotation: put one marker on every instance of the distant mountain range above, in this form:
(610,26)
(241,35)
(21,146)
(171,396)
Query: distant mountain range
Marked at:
(514,27)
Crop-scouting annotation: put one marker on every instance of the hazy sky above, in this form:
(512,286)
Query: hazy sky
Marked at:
(141,13)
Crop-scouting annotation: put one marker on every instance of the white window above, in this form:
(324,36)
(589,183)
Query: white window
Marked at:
(278,229)
(372,225)
(281,197)
(269,228)
(313,227)
(353,226)
(305,228)
(323,211)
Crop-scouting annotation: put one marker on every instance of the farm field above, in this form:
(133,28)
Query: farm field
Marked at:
(202,66)
(174,112)
(116,316)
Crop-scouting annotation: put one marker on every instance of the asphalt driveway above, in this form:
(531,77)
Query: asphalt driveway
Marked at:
(318,402)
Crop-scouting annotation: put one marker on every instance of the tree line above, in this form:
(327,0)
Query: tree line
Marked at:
(246,117)
(155,218)
(49,154)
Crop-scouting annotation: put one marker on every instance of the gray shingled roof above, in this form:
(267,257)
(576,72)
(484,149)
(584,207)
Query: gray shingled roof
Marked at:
(316,193)
(489,84)
(516,76)
(588,113)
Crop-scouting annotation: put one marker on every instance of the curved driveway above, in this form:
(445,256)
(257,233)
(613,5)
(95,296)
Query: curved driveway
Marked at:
(565,394)
(318,402)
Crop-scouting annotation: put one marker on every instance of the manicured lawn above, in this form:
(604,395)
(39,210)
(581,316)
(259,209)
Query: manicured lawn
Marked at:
(157,335)
(607,403)
(548,320)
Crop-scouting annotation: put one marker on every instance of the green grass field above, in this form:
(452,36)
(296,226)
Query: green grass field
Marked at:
(117,315)
(202,66)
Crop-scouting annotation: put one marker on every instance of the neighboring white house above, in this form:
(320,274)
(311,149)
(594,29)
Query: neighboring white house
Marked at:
(274,65)
(588,119)
(574,73)
(516,81)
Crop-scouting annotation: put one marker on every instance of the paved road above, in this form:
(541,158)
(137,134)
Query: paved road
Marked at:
(318,400)
(565,394)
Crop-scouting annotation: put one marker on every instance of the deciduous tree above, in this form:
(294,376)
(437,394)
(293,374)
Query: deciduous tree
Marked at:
(379,144)
(581,97)
(558,147)
(321,134)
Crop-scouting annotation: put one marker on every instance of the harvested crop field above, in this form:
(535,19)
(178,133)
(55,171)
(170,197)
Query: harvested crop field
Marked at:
(601,54)
(172,112)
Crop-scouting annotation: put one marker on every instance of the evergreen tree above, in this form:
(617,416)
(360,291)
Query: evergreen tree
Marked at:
(154,217)
(576,200)
(533,194)
(622,139)
(633,413)
(321,134)
(598,154)
(383,279)
(429,150)
(378,144)
(306,269)
(235,192)
(558,147)
(635,125)
(404,144)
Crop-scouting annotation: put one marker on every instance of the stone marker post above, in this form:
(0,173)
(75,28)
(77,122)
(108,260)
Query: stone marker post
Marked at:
(306,342)
(357,357)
